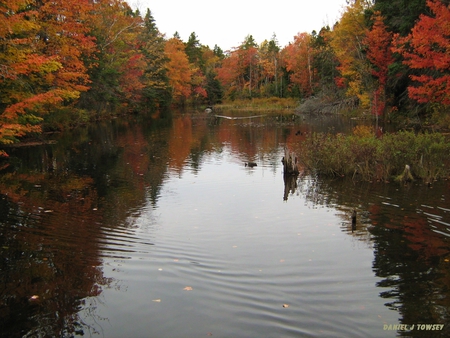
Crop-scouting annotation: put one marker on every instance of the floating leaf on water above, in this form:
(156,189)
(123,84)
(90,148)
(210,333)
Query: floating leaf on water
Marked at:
(48,210)
(285,305)
(187,288)
(34,298)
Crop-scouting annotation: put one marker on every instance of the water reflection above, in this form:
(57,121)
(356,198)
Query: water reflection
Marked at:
(410,240)
(112,197)
(49,253)
(56,201)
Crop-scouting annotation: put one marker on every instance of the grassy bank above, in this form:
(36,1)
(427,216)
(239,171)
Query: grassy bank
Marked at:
(364,156)
(271,104)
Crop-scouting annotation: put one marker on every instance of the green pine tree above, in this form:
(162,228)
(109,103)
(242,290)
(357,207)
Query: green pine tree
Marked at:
(157,91)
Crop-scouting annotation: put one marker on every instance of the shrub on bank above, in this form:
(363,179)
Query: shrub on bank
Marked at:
(363,155)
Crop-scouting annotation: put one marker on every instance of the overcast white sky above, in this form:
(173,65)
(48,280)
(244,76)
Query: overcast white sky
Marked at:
(227,22)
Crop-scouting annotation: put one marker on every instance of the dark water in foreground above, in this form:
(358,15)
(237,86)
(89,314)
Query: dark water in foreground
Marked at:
(158,229)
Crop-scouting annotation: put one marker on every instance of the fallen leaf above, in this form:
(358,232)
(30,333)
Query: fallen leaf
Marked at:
(156,300)
(187,288)
(285,305)
(34,297)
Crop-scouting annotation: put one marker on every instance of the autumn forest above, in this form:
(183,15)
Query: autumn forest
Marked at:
(66,62)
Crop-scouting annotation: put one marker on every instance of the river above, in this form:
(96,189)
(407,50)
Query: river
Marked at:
(157,228)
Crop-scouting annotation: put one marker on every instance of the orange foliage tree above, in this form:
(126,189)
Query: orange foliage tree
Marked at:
(178,69)
(248,58)
(42,48)
(298,58)
(228,73)
(427,50)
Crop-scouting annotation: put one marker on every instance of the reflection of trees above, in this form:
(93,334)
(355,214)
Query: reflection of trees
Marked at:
(414,276)
(412,255)
(49,259)
(54,202)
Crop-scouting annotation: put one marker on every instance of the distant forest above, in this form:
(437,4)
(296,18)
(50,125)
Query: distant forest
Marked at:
(66,62)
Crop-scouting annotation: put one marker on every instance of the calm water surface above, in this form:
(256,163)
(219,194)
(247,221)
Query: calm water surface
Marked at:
(158,229)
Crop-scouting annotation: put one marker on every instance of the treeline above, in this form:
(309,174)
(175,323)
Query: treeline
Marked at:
(64,62)
(388,56)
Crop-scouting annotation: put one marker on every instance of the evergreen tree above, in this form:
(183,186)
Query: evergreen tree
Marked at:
(324,61)
(400,16)
(157,89)
(194,50)
(218,52)
(274,52)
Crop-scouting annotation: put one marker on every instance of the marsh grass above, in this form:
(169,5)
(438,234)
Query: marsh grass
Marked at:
(361,155)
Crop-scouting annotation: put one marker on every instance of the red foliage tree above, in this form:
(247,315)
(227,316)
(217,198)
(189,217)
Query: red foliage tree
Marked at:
(380,55)
(427,49)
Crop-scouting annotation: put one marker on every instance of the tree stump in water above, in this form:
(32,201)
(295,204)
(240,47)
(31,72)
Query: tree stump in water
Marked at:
(406,176)
(353,220)
(290,185)
(289,163)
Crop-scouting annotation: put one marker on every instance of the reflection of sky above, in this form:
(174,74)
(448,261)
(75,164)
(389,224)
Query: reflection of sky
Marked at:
(221,189)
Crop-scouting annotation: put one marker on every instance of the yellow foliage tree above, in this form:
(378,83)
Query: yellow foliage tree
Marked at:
(348,45)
